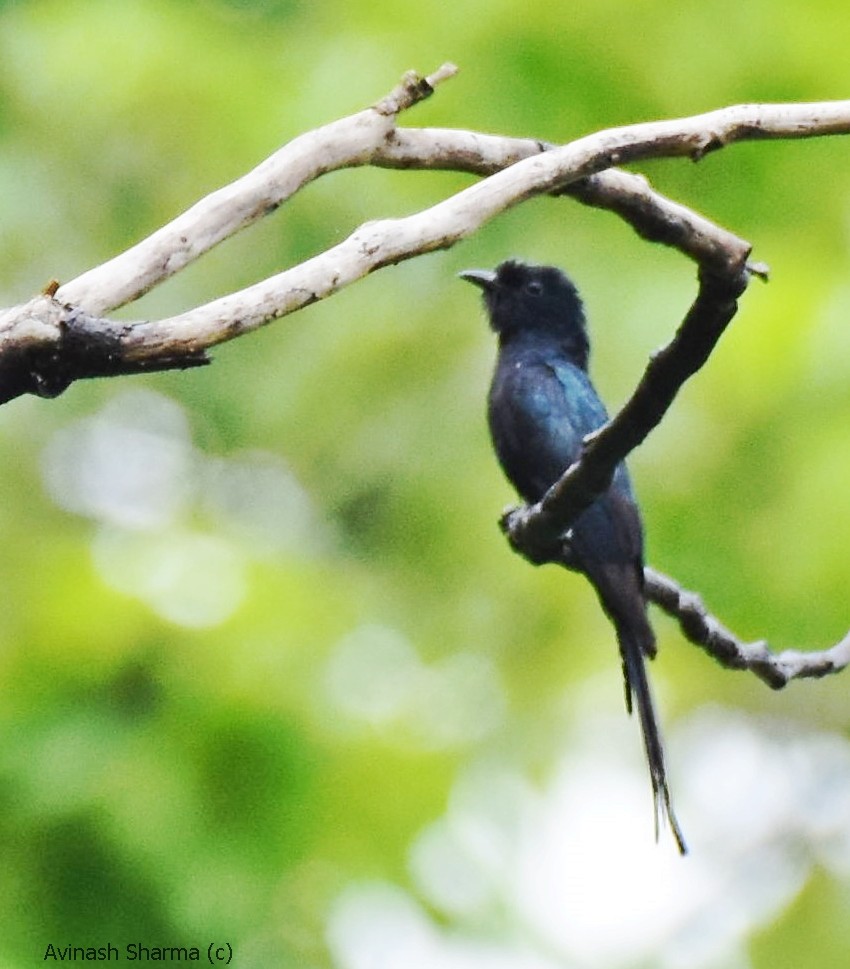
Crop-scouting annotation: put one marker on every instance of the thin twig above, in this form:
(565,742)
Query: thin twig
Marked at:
(703,629)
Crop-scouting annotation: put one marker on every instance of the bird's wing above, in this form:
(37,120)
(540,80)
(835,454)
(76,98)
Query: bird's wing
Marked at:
(551,408)
(582,406)
(614,516)
(532,423)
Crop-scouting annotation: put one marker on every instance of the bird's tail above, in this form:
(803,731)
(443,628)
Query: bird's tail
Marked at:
(637,688)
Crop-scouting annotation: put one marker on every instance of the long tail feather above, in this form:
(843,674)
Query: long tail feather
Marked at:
(637,686)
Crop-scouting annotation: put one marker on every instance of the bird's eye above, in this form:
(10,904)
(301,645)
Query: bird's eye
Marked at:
(534,287)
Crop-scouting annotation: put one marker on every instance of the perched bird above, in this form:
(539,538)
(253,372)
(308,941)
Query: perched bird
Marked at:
(540,408)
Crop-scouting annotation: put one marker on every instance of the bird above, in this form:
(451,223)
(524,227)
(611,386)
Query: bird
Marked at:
(540,408)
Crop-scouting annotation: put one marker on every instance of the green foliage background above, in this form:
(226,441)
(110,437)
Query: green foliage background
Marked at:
(229,769)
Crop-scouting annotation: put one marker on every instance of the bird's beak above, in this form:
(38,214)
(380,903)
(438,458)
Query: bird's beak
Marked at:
(485,278)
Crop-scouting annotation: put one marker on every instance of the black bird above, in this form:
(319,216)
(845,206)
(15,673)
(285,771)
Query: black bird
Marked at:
(540,408)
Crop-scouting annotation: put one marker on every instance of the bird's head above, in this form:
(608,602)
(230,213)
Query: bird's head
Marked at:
(522,298)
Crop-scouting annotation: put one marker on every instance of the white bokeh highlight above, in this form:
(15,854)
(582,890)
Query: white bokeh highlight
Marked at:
(176,528)
(566,872)
(130,464)
(376,678)
(192,580)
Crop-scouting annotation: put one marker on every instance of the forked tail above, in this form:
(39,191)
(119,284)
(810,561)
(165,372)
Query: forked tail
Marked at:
(637,687)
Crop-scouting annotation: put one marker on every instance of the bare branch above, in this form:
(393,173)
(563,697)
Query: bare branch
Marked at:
(519,169)
(72,341)
(370,137)
(381,243)
(702,629)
